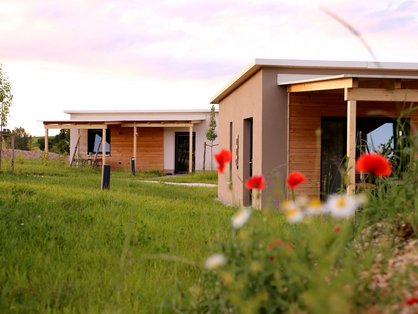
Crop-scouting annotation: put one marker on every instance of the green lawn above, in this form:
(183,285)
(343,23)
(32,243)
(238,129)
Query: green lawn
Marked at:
(68,246)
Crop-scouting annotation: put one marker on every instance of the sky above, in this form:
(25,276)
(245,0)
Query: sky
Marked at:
(176,54)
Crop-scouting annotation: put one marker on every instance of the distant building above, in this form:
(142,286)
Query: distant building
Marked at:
(157,139)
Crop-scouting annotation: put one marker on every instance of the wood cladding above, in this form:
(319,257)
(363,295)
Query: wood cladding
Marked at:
(305,113)
(150,147)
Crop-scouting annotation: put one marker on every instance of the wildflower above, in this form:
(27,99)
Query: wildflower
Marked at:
(294,215)
(375,164)
(223,157)
(215,261)
(292,211)
(342,206)
(337,229)
(315,207)
(241,217)
(255,182)
(411,301)
(294,179)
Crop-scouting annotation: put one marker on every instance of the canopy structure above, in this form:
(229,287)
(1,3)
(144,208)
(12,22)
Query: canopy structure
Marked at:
(356,89)
(103,124)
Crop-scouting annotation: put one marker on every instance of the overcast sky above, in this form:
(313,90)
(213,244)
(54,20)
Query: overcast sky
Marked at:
(176,54)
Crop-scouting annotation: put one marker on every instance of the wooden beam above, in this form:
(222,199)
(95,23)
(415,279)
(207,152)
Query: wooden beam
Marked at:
(74,126)
(351,145)
(156,125)
(339,83)
(381,94)
(191,149)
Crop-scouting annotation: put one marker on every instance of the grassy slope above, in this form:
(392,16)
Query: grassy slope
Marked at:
(67,245)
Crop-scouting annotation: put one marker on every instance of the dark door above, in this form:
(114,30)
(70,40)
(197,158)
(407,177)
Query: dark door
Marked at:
(182,152)
(248,158)
(333,151)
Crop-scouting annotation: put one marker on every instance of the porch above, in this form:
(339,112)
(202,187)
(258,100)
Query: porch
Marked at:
(115,142)
(361,101)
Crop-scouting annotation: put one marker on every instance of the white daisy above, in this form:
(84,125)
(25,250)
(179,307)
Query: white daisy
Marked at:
(315,207)
(215,261)
(292,211)
(342,205)
(241,217)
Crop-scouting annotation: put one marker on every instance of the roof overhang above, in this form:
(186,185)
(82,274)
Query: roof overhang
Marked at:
(104,124)
(394,88)
(257,64)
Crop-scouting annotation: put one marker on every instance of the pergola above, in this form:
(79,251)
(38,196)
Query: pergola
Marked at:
(356,88)
(135,124)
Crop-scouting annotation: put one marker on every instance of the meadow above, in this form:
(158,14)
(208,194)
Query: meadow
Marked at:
(68,247)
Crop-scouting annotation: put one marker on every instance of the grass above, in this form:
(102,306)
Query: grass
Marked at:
(67,246)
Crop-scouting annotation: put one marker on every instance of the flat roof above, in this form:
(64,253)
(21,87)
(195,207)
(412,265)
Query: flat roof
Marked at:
(257,64)
(139,111)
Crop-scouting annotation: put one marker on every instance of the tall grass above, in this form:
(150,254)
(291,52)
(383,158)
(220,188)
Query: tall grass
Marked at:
(67,246)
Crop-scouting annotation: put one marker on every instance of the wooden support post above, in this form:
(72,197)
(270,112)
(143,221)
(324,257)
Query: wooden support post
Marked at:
(103,147)
(351,145)
(191,149)
(46,143)
(135,145)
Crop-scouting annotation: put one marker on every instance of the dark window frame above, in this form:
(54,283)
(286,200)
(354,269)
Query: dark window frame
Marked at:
(91,141)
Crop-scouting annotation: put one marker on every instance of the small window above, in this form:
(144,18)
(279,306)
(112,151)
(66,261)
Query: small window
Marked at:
(95,141)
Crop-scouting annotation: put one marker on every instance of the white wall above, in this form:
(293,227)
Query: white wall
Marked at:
(200,131)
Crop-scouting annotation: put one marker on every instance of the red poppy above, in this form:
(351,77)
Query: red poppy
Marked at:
(222,158)
(294,179)
(337,229)
(411,301)
(375,164)
(255,182)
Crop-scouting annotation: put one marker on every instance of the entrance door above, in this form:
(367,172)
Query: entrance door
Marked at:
(181,155)
(248,158)
(373,135)
(333,151)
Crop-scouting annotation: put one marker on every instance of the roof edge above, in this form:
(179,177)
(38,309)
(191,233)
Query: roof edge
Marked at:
(257,64)
(139,111)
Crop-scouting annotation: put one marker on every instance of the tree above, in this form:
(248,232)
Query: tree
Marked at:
(22,138)
(59,143)
(211,133)
(6,99)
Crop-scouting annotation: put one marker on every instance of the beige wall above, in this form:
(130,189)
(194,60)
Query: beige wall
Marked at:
(244,103)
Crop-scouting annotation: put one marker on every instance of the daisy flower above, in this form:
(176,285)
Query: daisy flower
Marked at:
(241,217)
(215,261)
(342,205)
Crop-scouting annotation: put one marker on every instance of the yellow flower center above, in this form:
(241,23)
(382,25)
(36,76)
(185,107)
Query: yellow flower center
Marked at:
(315,203)
(292,212)
(341,202)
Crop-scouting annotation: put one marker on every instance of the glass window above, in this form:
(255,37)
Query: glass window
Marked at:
(94,142)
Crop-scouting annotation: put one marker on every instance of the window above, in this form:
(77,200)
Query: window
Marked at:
(94,141)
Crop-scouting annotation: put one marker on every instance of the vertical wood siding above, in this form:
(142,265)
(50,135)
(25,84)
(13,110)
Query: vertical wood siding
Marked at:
(305,112)
(150,147)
